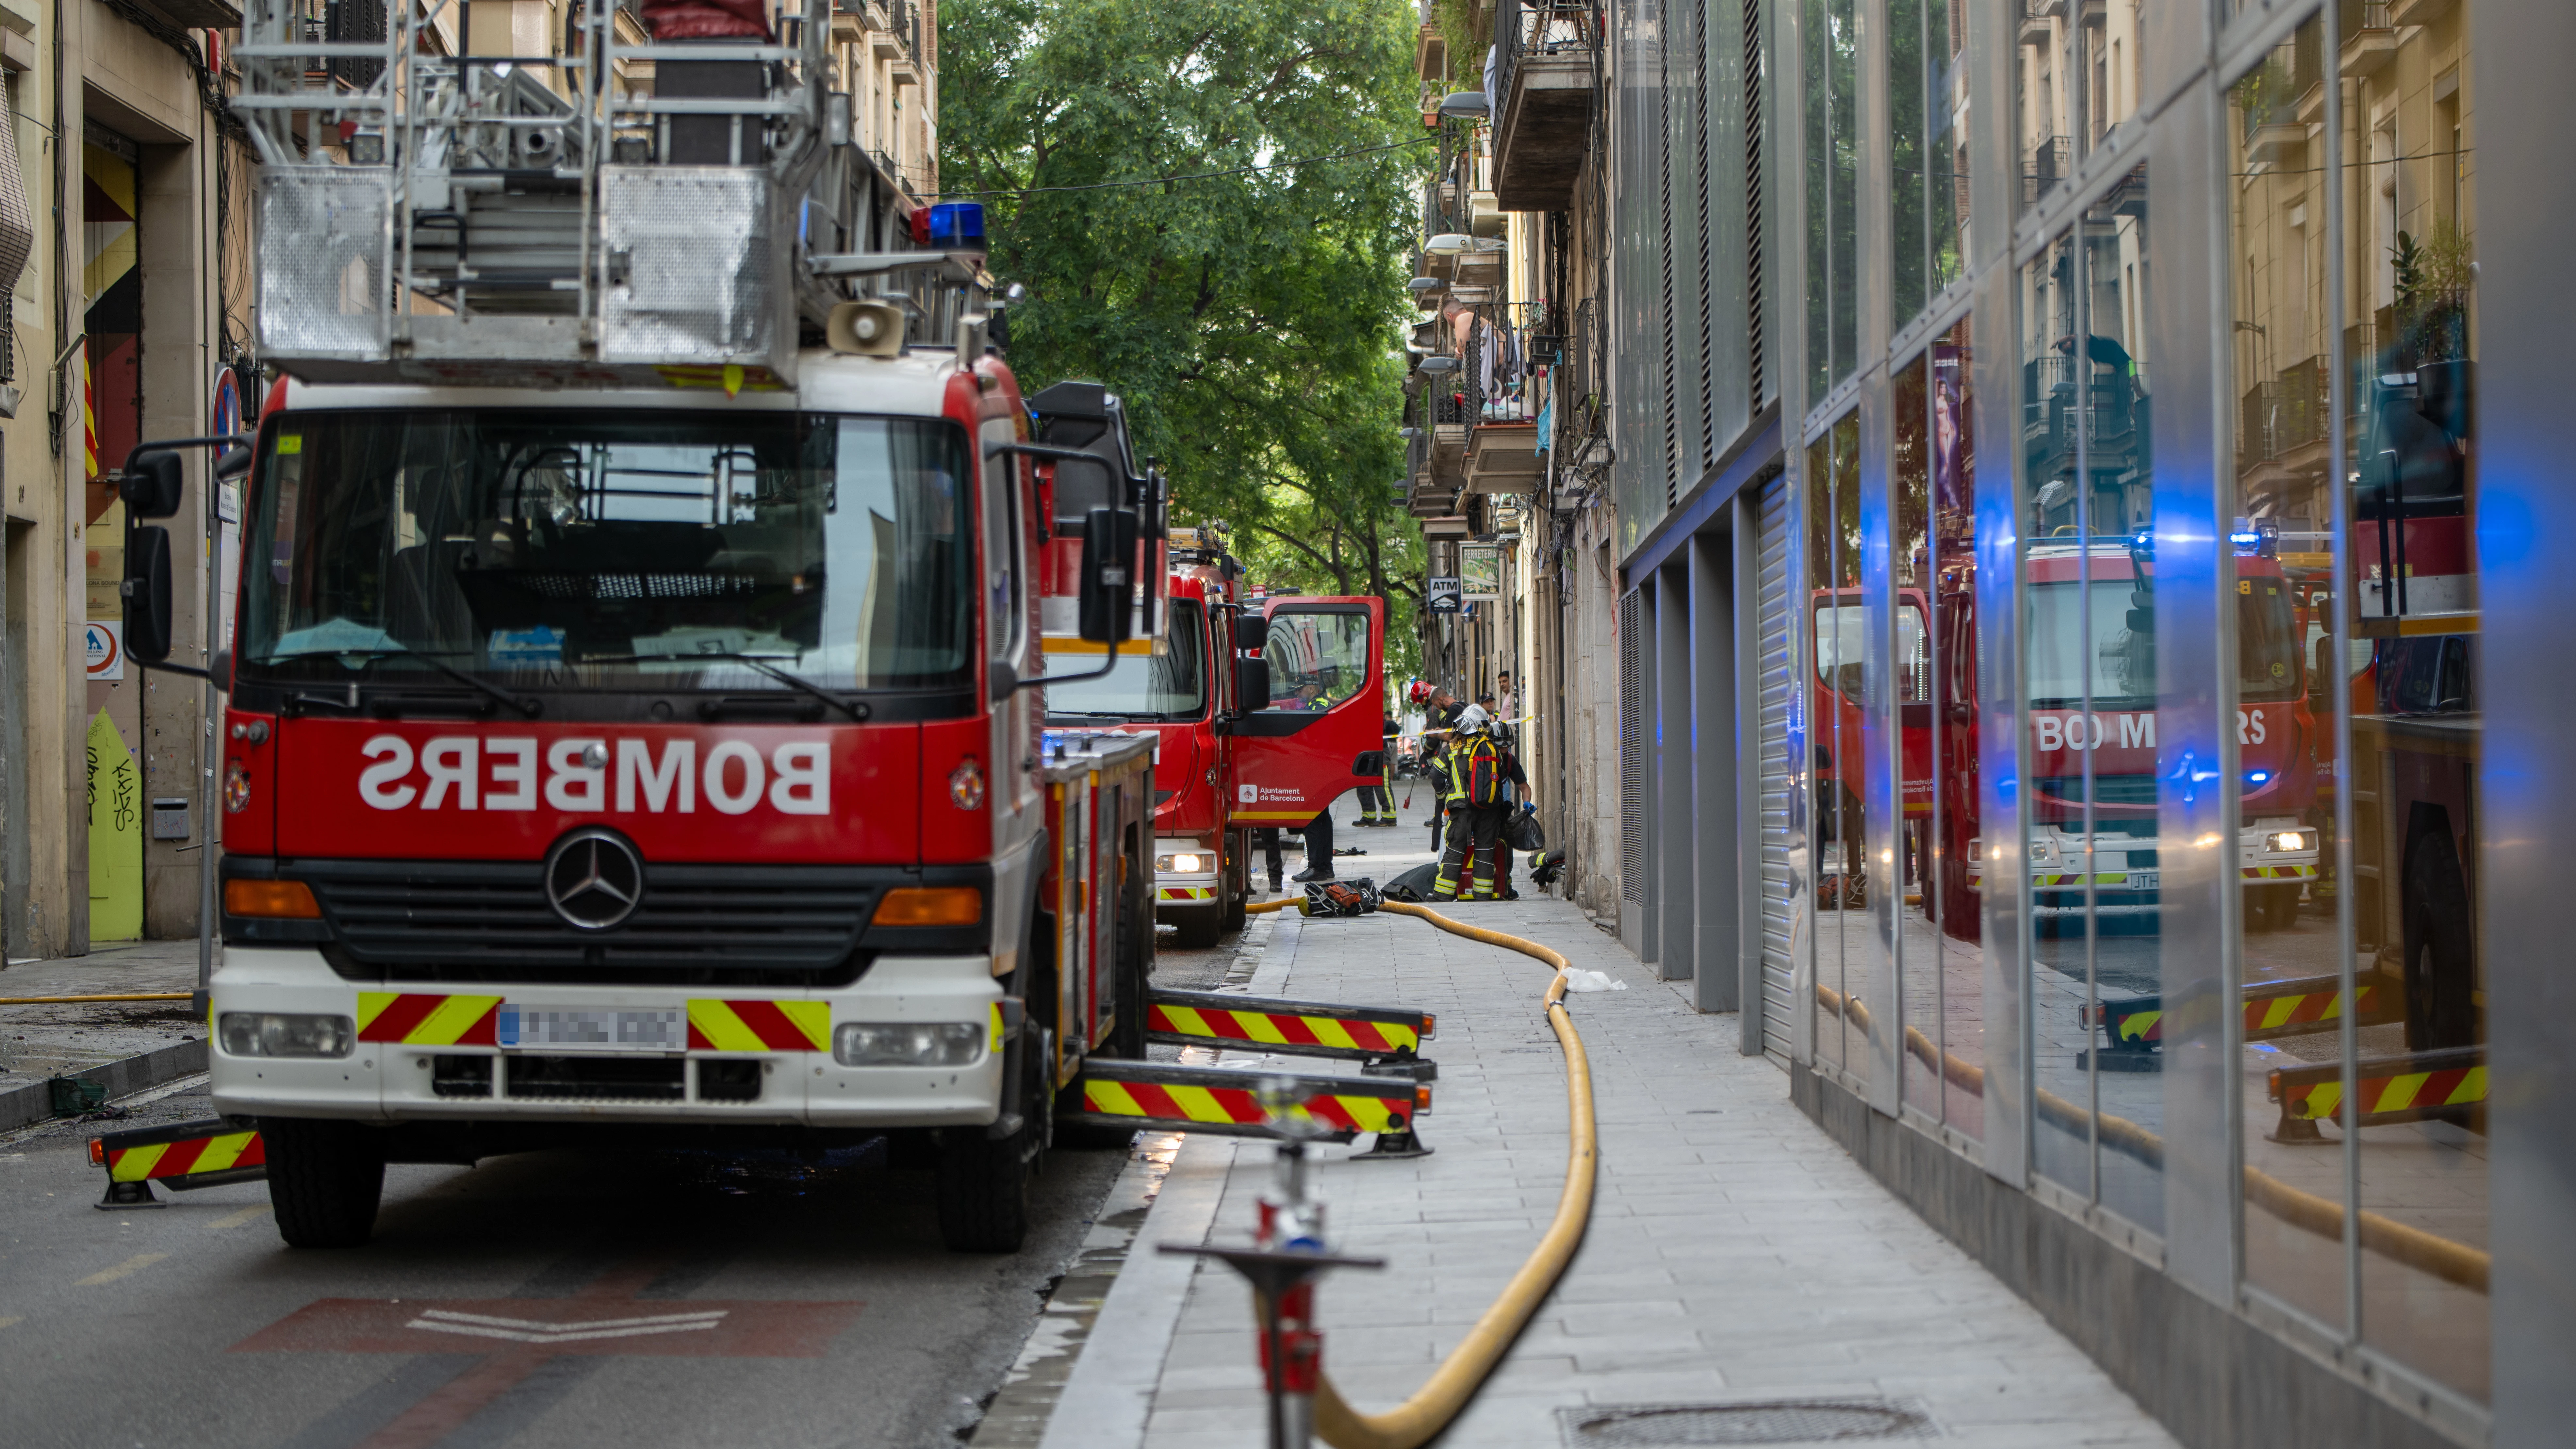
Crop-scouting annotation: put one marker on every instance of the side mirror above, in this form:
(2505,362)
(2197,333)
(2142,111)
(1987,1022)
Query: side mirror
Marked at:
(223,671)
(1251,631)
(2142,621)
(147,592)
(1251,685)
(1108,575)
(233,463)
(1004,680)
(152,485)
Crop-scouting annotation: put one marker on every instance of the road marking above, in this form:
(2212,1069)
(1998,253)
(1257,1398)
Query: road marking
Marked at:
(525,1330)
(135,1264)
(234,1220)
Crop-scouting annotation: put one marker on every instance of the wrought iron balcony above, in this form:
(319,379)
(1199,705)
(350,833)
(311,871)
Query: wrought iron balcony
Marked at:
(1546,81)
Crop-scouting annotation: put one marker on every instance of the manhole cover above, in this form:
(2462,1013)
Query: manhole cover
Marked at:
(1779,1421)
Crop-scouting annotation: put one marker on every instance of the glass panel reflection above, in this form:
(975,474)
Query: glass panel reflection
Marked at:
(2089,676)
(2409,190)
(2287,664)
(2043,98)
(1942,1067)
(1832,41)
(1838,644)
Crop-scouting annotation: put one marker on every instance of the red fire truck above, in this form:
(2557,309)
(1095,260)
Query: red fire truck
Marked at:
(2277,848)
(1263,713)
(634,735)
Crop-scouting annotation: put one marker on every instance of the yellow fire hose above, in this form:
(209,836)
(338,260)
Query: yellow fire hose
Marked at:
(2453,1262)
(1438,1401)
(59,1000)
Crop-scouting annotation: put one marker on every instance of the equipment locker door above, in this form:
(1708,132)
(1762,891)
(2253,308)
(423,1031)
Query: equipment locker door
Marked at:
(1325,712)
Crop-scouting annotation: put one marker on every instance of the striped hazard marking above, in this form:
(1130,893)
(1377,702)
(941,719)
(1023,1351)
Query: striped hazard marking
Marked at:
(2392,1088)
(1230,1099)
(2272,1009)
(215,1146)
(760,1026)
(1210,1018)
(421,1018)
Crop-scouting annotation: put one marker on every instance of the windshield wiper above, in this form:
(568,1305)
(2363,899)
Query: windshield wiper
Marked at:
(1099,714)
(528,708)
(856,711)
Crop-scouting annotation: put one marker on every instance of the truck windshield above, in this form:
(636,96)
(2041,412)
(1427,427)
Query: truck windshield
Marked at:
(613,548)
(1171,686)
(2122,663)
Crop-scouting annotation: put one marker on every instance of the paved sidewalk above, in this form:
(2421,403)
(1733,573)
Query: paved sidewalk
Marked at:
(1735,1254)
(126,1045)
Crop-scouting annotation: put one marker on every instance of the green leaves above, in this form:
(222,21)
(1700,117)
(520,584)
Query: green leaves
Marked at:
(1250,319)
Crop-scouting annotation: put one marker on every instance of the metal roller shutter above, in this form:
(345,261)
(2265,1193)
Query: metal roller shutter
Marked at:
(1632,754)
(1778,664)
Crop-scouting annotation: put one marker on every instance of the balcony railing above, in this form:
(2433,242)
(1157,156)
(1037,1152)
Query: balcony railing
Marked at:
(2051,161)
(1546,78)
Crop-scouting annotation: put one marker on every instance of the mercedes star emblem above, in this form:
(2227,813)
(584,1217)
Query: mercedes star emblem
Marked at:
(594,879)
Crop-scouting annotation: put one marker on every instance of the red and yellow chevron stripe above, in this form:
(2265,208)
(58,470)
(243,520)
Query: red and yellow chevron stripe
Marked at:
(2277,872)
(2396,1092)
(2277,1014)
(1271,1028)
(760,1026)
(428,1019)
(222,1152)
(1186,893)
(1234,1106)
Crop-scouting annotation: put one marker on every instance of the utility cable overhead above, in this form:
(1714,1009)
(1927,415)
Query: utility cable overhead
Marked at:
(1191,176)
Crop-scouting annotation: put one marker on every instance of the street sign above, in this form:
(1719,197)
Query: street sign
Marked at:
(1443,594)
(103,641)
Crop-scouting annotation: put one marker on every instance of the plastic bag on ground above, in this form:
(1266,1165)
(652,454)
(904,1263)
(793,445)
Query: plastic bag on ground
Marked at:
(1578,979)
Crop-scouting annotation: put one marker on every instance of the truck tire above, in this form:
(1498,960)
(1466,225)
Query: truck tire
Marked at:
(2441,960)
(1235,882)
(325,1180)
(983,1188)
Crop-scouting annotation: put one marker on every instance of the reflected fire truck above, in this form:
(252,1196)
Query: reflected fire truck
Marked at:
(2090,674)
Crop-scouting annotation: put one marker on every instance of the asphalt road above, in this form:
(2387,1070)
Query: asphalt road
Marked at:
(769,1302)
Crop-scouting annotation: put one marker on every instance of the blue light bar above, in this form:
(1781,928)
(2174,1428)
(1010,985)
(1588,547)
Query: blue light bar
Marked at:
(958,225)
(2246,541)
(2257,777)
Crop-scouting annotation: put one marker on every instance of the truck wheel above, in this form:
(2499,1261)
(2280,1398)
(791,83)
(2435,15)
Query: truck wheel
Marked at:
(2440,957)
(1236,882)
(983,1188)
(1201,926)
(325,1180)
(982,1182)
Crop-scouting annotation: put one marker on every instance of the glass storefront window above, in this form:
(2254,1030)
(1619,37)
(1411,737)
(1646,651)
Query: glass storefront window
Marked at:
(1943,1064)
(1838,645)
(2108,66)
(2042,135)
(2089,695)
(2286,659)
(1832,74)
(2409,209)
(1927,114)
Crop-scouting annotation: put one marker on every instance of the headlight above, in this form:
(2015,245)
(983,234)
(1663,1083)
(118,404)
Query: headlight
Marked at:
(2287,840)
(1184,863)
(276,1034)
(2042,850)
(907,1043)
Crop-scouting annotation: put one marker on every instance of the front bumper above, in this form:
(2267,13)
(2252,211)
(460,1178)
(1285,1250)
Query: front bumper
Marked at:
(397,1076)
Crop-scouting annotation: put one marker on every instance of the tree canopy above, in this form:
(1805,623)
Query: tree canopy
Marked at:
(1249,318)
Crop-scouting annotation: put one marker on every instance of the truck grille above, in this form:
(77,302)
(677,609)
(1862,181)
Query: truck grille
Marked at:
(2107,789)
(479,921)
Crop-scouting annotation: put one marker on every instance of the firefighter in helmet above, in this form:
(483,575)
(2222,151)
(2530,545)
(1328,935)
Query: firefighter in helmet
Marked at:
(1485,782)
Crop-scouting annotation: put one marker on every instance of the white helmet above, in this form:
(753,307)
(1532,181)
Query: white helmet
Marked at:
(1474,721)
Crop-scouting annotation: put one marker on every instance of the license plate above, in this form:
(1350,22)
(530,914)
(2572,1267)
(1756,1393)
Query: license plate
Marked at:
(592,1029)
(2146,880)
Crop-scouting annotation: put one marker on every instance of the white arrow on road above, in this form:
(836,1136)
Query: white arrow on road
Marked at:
(523,1330)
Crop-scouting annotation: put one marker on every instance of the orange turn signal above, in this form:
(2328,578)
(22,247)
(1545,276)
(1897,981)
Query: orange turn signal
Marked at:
(288,898)
(930,906)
